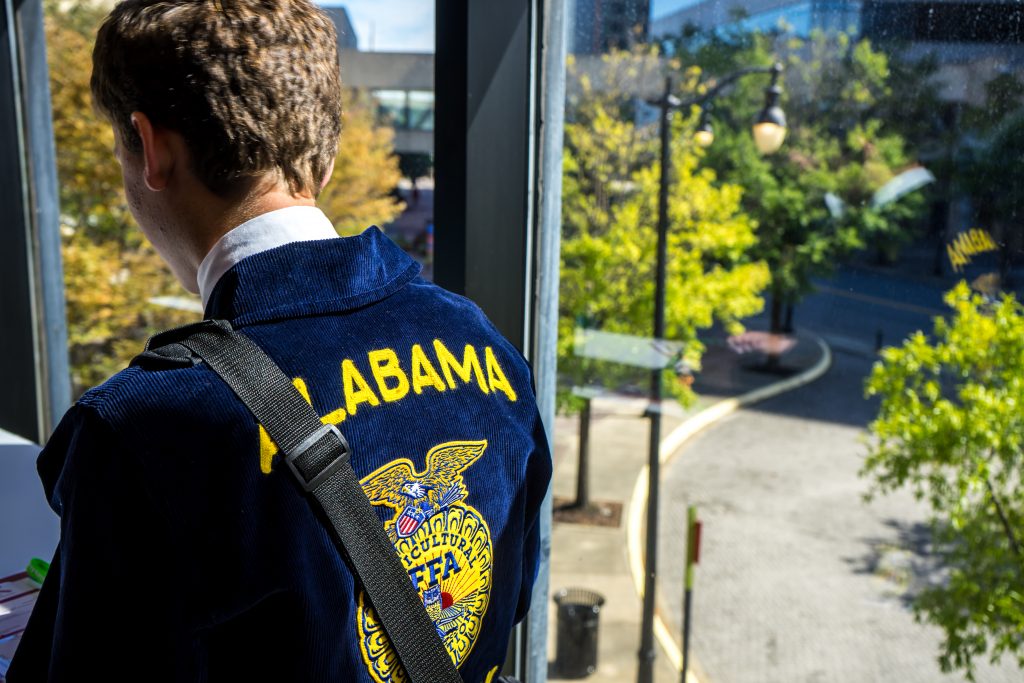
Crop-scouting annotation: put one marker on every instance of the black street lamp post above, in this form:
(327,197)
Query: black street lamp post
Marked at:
(769,131)
(667,104)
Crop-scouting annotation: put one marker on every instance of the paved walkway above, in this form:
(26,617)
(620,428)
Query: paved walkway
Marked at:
(800,580)
(595,557)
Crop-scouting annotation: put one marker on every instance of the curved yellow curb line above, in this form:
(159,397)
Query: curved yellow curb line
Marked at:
(667,450)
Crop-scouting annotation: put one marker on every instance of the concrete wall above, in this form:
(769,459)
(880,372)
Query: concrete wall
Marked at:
(414,141)
(387,70)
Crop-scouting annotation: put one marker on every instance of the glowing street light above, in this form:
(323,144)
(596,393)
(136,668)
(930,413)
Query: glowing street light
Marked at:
(705,134)
(770,126)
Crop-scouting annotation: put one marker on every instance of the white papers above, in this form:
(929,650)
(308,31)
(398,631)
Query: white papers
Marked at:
(17,598)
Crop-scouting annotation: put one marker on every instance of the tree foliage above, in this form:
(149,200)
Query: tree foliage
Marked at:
(950,427)
(415,165)
(111,273)
(609,217)
(110,313)
(837,147)
(366,172)
(90,185)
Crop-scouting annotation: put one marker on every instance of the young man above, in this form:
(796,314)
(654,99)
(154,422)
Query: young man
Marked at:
(188,552)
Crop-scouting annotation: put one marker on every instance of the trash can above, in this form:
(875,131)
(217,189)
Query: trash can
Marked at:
(576,640)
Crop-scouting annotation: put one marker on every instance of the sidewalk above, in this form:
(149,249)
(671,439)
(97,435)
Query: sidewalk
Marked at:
(597,557)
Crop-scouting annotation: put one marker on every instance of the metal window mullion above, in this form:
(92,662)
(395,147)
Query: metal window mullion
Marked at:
(35,346)
(551,100)
(44,216)
(19,348)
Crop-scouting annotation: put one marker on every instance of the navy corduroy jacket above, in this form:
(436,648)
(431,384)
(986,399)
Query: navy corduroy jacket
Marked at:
(189,553)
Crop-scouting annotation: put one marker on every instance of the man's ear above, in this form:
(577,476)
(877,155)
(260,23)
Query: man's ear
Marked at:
(156,152)
(327,175)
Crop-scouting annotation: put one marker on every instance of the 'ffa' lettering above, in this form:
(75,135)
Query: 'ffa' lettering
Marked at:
(433,565)
(357,390)
(436,568)
(384,365)
(414,574)
(450,565)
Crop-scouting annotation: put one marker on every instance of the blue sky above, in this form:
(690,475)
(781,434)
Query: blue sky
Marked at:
(408,25)
(660,8)
(391,25)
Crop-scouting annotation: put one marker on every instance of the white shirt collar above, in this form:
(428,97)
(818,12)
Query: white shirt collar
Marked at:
(266,231)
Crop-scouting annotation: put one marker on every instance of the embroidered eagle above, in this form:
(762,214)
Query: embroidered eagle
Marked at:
(419,495)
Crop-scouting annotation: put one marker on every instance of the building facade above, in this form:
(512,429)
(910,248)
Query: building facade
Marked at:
(972,42)
(400,83)
(402,86)
(603,25)
(347,39)
(800,16)
(952,31)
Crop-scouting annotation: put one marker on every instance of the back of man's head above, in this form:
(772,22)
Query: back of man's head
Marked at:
(251,85)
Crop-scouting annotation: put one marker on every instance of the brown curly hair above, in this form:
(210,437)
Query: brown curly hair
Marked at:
(252,85)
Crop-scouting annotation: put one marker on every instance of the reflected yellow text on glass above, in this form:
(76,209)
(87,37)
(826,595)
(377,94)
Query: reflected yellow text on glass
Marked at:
(967,244)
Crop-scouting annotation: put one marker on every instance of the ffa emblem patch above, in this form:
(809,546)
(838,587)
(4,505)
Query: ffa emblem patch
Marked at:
(445,546)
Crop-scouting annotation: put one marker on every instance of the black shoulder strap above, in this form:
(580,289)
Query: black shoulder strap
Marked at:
(318,456)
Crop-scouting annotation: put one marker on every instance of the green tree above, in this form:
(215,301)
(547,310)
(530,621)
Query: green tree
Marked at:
(415,165)
(609,216)
(812,200)
(950,427)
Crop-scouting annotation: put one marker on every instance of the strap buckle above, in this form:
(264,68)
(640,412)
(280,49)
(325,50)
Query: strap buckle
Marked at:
(309,442)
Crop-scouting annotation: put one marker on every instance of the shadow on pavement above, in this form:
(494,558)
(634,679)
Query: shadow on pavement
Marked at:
(837,396)
(905,561)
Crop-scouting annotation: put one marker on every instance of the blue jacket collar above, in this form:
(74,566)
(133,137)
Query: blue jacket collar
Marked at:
(309,278)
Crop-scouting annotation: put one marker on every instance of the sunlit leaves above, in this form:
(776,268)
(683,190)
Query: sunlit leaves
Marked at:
(109,313)
(951,428)
(610,193)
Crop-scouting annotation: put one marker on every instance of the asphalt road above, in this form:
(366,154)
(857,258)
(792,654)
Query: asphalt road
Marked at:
(800,579)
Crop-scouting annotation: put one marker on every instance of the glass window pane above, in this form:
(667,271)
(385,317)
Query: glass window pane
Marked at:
(392,107)
(817,220)
(421,110)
